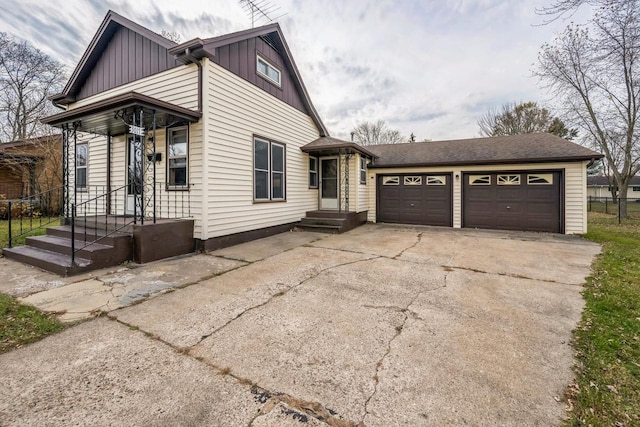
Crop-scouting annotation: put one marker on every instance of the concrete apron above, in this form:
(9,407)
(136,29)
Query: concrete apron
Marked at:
(380,326)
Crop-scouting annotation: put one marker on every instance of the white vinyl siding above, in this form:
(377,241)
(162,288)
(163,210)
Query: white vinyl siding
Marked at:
(363,194)
(178,86)
(575,188)
(236,110)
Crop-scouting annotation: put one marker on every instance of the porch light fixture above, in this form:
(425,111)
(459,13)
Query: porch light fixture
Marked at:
(457,176)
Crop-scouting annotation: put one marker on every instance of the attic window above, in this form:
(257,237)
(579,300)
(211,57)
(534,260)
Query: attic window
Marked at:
(268,70)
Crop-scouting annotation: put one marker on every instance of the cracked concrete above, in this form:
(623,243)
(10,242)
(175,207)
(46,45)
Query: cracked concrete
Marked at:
(380,326)
(109,290)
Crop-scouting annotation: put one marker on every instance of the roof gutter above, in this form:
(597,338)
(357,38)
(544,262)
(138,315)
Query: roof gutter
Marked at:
(194,60)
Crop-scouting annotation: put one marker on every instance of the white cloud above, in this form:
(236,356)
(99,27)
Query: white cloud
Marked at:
(427,67)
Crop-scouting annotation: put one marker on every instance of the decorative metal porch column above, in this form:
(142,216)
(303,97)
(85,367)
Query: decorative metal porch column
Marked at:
(344,202)
(145,157)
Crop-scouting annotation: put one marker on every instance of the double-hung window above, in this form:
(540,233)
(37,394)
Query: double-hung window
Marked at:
(313,172)
(269,174)
(82,157)
(178,158)
(363,170)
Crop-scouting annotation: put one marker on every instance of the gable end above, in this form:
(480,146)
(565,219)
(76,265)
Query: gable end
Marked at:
(240,58)
(128,56)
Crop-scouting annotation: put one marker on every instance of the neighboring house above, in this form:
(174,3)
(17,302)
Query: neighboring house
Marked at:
(215,141)
(30,166)
(600,186)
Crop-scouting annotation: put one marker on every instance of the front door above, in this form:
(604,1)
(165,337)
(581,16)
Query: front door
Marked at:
(329,183)
(134,178)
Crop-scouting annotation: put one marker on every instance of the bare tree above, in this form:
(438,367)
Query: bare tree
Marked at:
(526,117)
(369,133)
(594,70)
(27,78)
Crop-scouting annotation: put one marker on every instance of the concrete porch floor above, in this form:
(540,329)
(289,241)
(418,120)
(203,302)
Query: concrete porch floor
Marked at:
(380,326)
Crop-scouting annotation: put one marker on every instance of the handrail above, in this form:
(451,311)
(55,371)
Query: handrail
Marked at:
(86,207)
(45,204)
(170,203)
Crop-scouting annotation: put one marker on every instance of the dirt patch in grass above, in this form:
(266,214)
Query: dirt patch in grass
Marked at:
(21,324)
(607,341)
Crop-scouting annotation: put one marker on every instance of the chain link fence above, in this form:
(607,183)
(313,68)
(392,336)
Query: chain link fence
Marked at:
(611,206)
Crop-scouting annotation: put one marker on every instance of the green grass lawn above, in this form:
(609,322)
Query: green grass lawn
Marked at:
(21,324)
(607,342)
(27,224)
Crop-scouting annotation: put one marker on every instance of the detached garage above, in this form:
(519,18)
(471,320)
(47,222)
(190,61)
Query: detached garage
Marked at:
(531,182)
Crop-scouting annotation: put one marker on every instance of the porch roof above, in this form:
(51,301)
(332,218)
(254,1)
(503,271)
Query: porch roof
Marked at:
(105,117)
(327,146)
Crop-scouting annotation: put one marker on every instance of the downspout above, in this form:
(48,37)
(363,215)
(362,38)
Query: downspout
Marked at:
(187,53)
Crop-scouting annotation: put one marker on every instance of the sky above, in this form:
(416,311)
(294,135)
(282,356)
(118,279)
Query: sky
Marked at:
(430,67)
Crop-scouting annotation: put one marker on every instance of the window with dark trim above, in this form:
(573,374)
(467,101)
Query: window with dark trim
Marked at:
(268,70)
(635,189)
(178,157)
(313,172)
(363,170)
(82,158)
(269,177)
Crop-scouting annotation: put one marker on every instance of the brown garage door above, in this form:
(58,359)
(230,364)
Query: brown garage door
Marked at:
(415,199)
(529,201)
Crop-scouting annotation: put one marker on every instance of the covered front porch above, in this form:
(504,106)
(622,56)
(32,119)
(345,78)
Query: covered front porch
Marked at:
(126,193)
(339,167)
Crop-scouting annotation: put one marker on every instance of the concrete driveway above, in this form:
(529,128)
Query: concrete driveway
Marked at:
(380,326)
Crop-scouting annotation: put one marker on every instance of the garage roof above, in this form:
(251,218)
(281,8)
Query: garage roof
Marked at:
(526,148)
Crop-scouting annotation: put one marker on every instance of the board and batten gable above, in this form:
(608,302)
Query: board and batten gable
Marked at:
(128,57)
(235,111)
(240,58)
(178,86)
(574,189)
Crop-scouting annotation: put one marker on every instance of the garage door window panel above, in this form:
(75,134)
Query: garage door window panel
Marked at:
(508,179)
(540,179)
(437,180)
(391,180)
(480,180)
(412,180)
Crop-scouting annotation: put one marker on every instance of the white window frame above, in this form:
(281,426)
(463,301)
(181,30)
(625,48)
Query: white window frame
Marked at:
(508,179)
(391,180)
(313,171)
(412,180)
(547,176)
(270,171)
(473,178)
(363,170)
(85,167)
(170,132)
(260,58)
(436,180)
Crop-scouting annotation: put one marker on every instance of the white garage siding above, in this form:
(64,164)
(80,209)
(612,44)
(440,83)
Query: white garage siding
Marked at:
(236,110)
(575,188)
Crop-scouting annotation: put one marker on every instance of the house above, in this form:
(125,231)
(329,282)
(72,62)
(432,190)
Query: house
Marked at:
(600,187)
(171,148)
(30,166)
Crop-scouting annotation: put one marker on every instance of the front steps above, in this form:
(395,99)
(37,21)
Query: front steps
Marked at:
(52,252)
(332,221)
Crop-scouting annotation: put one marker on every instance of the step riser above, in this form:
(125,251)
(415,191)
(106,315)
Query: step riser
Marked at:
(80,235)
(65,249)
(326,214)
(320,229)
(322,221)
(39,262)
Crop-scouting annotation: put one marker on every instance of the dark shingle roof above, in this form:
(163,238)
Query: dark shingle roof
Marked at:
(605,181)
(526,148)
